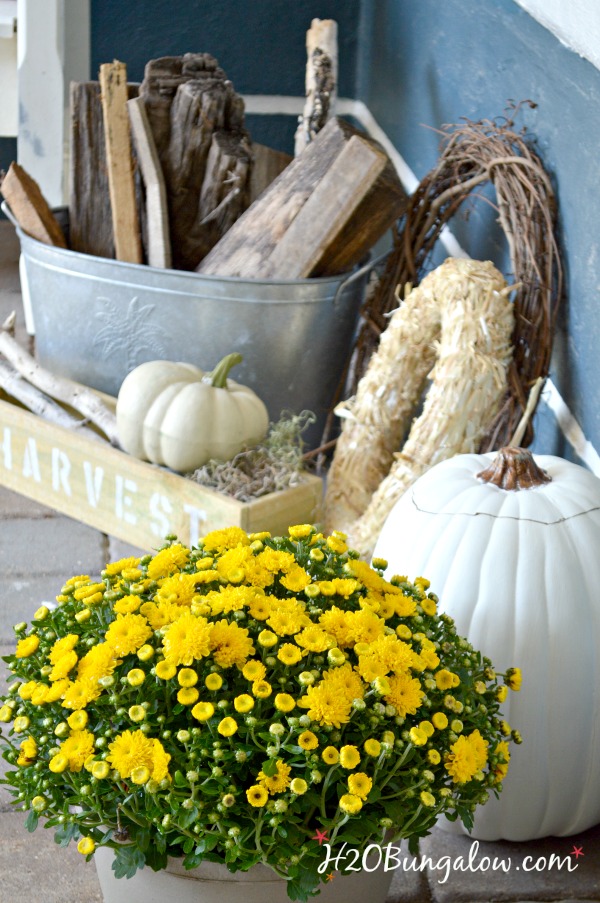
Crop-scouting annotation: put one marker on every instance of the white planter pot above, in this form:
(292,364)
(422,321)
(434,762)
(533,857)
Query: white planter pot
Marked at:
(213,883)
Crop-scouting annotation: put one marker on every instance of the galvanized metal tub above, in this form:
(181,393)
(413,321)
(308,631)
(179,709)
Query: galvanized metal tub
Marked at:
(95,319)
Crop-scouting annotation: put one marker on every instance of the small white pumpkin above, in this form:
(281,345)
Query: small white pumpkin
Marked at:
(515,560)
(180,416)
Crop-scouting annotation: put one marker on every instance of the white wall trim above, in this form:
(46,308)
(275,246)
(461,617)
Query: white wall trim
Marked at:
(576,24)
(281,104)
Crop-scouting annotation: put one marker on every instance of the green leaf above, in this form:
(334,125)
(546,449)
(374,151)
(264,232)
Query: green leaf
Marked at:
(128,859)
(31,822)
(270,767)
(64,834)
(187,817)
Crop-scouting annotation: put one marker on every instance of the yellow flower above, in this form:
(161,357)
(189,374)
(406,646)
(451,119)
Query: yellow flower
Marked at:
(243,703)
(267,638)
(27,646)
(427,798)
(372,747)
(314,639)
(63,666)
(202,711)
(298,786)
(257,796)
(335,622)
(467,756)
(187,695)
(165,670)
(360,784)
(254,670)
(130,750)
(501,768)
(429,607)
(100,770)
(213,681)
(140,774)
(116,567)
(178,589)
(427,728)
(127,605)
(41,613)
(168,560)
(513,679)
(284,702)
(27,752)
(350,803)
(330,755)
(406,694)
(77,747)
(86,846)
(127,633)
(262,689)
(501,693)
(308,740)
(446,679)
(349,756)
(135,677)
(403,631)
(296,579)
(230,644)
(187,639)
(137,712)
(418,737)
(89,594)
(80,693)
(336,544)
(289,654)
(58,763)
(278,782)
(434,756)
(328,705)
(229,538)
(78,720)
(6,714)
(187,677)
(301,531)
(406,606)
(440,720)
(227,727)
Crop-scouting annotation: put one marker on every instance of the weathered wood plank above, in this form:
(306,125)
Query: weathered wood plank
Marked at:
(126,227)
(320,81)
(130,499)
(267,164)
(312,238)
(30,208)
(157,214)
(247,248)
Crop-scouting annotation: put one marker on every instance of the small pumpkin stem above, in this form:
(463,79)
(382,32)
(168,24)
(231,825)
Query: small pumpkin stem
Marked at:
(218,377)
(513,469)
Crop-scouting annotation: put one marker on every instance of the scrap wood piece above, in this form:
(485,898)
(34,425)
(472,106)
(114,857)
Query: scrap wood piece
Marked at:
(126,227)
(321,80)
(267,164)
(249,248)
(38,403)
(197,121)
(76,396)
(30,208)
(90,216)
(157,215)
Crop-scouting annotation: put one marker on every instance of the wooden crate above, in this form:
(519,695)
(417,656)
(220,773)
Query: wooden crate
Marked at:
(127,498)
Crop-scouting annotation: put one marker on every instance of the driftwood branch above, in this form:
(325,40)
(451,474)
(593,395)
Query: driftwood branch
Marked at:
(64,390)
(321,81)
(34,400)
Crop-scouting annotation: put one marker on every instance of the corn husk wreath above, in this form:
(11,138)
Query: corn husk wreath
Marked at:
(458,321)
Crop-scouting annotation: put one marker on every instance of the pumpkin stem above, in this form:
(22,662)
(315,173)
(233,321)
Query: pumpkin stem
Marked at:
(513,469)
(218,377)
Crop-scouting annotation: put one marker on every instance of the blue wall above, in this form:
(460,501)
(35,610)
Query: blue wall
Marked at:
(425,63)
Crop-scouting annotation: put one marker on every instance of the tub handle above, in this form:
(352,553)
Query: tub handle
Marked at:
(357,274)
(9,214)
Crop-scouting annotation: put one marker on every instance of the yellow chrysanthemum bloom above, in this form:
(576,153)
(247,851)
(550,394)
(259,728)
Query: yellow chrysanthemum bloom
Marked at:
(279,782)
(167,561)
(328,704)
(135,677)
(513,679)
(187,695)
(298,786)
(427,798)
(187,639)
(58,763)
(27,646)
(335,623)
(427,728)
(262,689)
(116,567)
(501,768)
(162,614)
(227,727)
(77,747)
(406,694)
(165,669)
(229,538)
(100,770)
(434,756)
(445,679)
(99,661)
(213,682)
(80,693)
(372,747)
(417,736)
(314,639)
(6,714)
(467,756)
(187,677)
(296,579)
(289,654)
(127,605)
(257,796)
(350,803)
(27,752)
(254,670)
(131,750)
(429,607)
(366,626)
(440,720)
(307,740)
(349,756)
(286,623)
(405,606)
(86,846)
(330,755)
(63,666)
(178,588)
(284,702)
(360,784)
(127,633)
(243,703)
(501,693)
(202,711)
(230,644)
(78,720)
(301,531)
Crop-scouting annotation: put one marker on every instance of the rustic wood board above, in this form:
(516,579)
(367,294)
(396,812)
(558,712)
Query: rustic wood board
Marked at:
(249,248)
(30,208)
(130,499)
(267,164)
(119,162)
(90,224)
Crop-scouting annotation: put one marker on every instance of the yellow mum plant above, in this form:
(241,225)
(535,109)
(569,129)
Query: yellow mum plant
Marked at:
(227,702)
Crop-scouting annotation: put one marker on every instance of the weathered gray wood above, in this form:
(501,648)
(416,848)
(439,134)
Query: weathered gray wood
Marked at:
(189,101)
(320,81)
(157,215)
(90,218)
(267,164)
(30,208)
(247,248)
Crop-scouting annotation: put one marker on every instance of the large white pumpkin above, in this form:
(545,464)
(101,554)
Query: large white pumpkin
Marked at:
(516,562)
